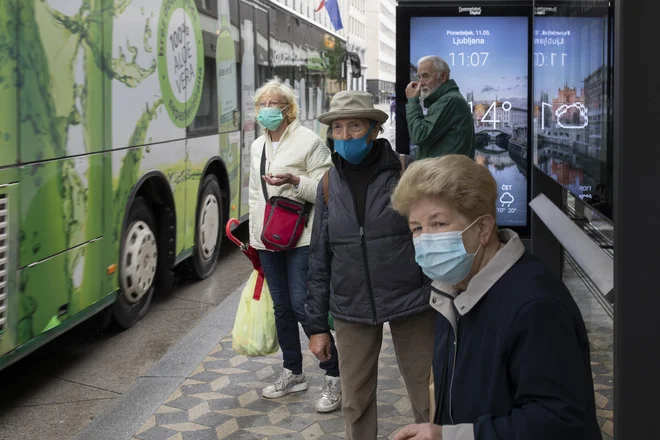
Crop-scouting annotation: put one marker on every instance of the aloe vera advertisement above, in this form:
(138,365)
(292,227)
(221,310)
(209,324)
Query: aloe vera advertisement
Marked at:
(95,76)
(61,114)
(8,79)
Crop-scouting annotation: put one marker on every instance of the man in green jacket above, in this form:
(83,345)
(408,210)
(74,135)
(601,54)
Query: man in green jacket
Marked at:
(447,127)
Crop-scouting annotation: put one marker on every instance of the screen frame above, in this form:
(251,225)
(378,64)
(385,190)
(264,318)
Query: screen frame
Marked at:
(595,11)
(404,15)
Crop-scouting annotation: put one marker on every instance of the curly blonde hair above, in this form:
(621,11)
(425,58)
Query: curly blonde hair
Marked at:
(276,88)
(459,180)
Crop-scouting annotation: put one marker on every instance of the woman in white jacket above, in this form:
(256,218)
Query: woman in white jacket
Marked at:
(296,159)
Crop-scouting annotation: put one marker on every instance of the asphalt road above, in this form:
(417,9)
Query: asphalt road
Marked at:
(55,392)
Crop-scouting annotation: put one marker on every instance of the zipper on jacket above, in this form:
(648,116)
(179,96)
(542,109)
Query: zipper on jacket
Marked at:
(453,370)
(363,241)
(363,245)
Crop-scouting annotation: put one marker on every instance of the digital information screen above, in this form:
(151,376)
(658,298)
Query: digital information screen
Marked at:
(489,60)
(572,90)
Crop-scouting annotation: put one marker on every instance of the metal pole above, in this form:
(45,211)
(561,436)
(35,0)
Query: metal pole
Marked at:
(636,219)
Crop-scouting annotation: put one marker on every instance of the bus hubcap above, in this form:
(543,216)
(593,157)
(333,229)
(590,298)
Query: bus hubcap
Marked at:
(208,226)
(139,261)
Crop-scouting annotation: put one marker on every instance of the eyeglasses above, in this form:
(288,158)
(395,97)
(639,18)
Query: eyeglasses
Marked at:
(271,104)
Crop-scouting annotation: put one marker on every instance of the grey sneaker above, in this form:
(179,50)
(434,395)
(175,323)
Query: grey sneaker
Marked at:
(285,384)
(330,398)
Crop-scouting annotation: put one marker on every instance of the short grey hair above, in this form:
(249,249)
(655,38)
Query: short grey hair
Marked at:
(439,64)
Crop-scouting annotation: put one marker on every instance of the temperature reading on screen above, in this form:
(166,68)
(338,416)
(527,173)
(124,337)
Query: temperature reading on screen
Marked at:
(474,59)
(494,114)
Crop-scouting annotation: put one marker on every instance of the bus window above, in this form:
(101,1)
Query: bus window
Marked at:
(209,7)
(206,120)
(262,46)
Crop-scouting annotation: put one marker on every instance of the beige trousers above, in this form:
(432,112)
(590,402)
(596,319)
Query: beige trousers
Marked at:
(359,348)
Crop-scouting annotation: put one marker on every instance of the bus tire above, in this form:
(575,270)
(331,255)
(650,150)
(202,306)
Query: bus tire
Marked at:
(138,265)
(208,230)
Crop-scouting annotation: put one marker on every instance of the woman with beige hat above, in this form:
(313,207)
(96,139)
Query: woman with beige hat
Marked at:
(362,268)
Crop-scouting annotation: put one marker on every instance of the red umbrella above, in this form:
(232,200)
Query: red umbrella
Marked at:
(249,252)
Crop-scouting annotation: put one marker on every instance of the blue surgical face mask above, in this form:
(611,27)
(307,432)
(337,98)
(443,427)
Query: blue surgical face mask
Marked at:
(355,150)
(271,117)
(442,256)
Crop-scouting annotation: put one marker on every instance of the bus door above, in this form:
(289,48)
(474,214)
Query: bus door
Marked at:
(228,99)
(247,82)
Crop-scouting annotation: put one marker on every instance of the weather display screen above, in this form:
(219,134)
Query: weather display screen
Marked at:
(572,90)
(489,60)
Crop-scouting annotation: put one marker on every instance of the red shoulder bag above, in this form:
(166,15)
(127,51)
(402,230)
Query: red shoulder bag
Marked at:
(284,219)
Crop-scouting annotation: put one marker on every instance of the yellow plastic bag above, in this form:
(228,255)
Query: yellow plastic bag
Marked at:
(254,332)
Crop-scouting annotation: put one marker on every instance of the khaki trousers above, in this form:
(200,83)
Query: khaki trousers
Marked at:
(359,348)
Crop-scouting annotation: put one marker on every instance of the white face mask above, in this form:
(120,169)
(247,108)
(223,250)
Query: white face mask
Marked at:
(442,255)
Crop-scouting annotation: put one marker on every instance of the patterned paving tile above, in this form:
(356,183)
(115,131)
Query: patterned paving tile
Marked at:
(222,397)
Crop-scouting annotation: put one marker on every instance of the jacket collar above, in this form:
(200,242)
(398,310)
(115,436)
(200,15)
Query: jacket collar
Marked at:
(449,301)
(443,89)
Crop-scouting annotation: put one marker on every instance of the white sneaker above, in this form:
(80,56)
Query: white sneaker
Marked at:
(285,384)
(330,398)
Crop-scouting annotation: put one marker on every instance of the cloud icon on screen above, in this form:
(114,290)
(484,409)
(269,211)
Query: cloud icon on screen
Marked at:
(572,116)
(506,199)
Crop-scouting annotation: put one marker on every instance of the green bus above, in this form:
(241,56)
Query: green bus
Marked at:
(125,134)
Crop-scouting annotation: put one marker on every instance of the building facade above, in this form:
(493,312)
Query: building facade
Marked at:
(353,16)
(381,49)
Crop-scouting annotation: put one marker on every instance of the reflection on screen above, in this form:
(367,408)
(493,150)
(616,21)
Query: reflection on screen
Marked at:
(571,103)
(488,58)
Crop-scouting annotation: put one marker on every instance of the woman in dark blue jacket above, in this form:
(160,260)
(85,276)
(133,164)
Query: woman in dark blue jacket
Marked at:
(511,355)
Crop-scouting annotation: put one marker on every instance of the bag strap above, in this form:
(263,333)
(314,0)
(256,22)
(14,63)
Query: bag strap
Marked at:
(402,159)
(262,172)
(326,185)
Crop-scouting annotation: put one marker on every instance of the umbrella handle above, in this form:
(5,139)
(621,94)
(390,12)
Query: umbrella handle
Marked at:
(228,231)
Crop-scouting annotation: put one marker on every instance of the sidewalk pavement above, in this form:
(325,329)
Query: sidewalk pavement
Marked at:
(222,400)
(220,396)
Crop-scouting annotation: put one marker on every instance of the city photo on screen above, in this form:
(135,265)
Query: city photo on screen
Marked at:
(572,92)
(489,60)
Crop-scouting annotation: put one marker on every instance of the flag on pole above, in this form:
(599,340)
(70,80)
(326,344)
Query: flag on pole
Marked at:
(332,6)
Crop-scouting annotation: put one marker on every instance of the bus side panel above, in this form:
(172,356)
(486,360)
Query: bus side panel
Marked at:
(128,168)
(141,86)
(200,150)
(8,80)
(61,111)
(159,47)
(59,75)
(59,191)
(49,288)
(230,151)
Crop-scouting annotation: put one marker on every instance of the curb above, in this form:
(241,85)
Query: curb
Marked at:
(130,410)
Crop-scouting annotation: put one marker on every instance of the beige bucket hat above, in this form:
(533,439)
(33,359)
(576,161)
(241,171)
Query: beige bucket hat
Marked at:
(352,104)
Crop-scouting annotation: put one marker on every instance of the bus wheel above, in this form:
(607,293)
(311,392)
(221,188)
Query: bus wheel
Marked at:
(137,267)
(208,236)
